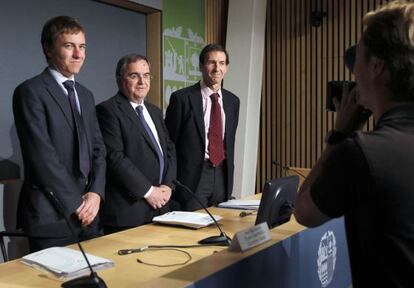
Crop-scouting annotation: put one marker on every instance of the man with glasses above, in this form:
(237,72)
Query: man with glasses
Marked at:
(140,155)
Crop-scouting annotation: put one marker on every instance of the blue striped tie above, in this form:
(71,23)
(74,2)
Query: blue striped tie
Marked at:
(144,123)
(84,158)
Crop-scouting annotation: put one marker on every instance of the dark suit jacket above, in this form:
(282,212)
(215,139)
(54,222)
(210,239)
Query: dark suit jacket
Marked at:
(133,165)
(46,132)
(185,123)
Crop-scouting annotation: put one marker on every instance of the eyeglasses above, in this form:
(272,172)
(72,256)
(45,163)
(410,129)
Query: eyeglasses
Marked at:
(135,76)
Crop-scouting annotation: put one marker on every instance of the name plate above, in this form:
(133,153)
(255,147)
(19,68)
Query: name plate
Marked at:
(250,237)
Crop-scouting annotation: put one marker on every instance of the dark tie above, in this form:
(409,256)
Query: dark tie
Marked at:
(144,123)
(215,132)
(84,160)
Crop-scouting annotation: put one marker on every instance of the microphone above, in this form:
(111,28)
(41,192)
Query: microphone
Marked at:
(244,213)
(286,168)
(90,281)
(220,240)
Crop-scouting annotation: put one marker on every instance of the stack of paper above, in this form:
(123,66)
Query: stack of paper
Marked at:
(65,263)
(188,219)
(241,204)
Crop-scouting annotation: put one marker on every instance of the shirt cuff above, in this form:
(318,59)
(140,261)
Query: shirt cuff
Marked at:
(149,192)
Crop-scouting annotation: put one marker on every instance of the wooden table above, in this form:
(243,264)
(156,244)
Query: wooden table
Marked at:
(128,273)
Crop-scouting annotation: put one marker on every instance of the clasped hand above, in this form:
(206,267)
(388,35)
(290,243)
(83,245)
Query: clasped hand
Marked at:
(159,196)
(89,208)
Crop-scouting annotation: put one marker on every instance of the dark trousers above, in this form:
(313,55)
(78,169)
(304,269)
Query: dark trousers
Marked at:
(211,189)
(109,229)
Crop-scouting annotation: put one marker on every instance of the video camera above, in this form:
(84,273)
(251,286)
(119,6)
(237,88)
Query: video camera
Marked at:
(335,88)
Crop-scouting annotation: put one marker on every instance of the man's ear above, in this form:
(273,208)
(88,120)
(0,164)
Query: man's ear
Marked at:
(46,50)
(377,66)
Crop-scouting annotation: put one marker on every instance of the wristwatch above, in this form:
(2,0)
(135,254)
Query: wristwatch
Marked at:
(335,137)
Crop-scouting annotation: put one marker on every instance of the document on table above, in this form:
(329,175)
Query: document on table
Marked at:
(65,263)
(241,204)
(189,219)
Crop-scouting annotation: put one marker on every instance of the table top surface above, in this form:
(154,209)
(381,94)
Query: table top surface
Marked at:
(129,273)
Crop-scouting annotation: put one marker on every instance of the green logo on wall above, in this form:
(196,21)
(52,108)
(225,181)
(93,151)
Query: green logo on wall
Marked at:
(183,39)
(180,59)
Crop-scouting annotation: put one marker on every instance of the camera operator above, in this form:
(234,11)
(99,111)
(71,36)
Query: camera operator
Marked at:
(367,176)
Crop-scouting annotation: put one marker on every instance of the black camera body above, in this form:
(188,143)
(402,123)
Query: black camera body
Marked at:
(335,89)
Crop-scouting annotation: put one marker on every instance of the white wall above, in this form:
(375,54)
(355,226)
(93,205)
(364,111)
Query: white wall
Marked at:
(245,44)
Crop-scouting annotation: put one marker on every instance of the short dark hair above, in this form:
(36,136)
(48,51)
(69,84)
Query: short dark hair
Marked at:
(57,26)
(125,60)
(210,48)
(389,35)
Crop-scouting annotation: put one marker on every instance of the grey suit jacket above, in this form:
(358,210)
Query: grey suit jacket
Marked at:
(185,123)
(45,128)
(133,165)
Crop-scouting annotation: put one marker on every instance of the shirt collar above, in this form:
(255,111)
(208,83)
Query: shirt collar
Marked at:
(206,91)
(135,105)
(59,77)
(404,110)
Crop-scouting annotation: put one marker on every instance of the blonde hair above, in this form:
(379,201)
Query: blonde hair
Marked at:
(403,7)
(389,35)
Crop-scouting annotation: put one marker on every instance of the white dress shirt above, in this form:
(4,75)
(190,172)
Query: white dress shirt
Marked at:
(151,124)
(60,79)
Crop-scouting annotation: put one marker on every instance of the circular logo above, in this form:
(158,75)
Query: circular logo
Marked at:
(326,258)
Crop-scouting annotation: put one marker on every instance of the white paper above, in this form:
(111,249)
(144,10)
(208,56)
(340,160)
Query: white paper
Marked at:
(65,263)
(241,204)
(188,219)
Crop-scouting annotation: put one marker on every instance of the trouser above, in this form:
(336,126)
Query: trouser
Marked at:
(211,189)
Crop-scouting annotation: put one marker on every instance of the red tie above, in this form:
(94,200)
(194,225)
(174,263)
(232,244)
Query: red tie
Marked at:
(215,132)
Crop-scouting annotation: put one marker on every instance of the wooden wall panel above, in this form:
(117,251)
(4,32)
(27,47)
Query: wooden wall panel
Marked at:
(300,59)
(215,19)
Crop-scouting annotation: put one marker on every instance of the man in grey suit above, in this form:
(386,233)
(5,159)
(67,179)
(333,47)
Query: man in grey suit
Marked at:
(202,120)
(61,143)
(141,156)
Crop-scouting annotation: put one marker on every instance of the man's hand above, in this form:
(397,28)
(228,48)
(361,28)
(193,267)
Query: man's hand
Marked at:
(89,208)
(350,115)
(167,192)
(159,196)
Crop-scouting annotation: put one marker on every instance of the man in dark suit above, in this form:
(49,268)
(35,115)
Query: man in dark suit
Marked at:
(61,143)
(141,156)
(202,120)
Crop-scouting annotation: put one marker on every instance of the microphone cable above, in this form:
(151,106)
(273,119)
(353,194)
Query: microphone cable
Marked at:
(189,258)
(164,248)
(138,250)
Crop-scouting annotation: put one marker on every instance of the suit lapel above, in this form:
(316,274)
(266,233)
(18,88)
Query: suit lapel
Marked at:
(158,125)
(58,95)
(228,111)
(196,100)
(126,109)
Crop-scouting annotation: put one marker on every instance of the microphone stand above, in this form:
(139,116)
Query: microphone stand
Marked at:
(220,240)
(286,168)
(90,281)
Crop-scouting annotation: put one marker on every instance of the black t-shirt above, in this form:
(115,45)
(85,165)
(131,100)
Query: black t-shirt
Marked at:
(365,180)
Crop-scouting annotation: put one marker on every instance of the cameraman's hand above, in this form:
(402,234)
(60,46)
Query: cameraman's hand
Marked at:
(350,116)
